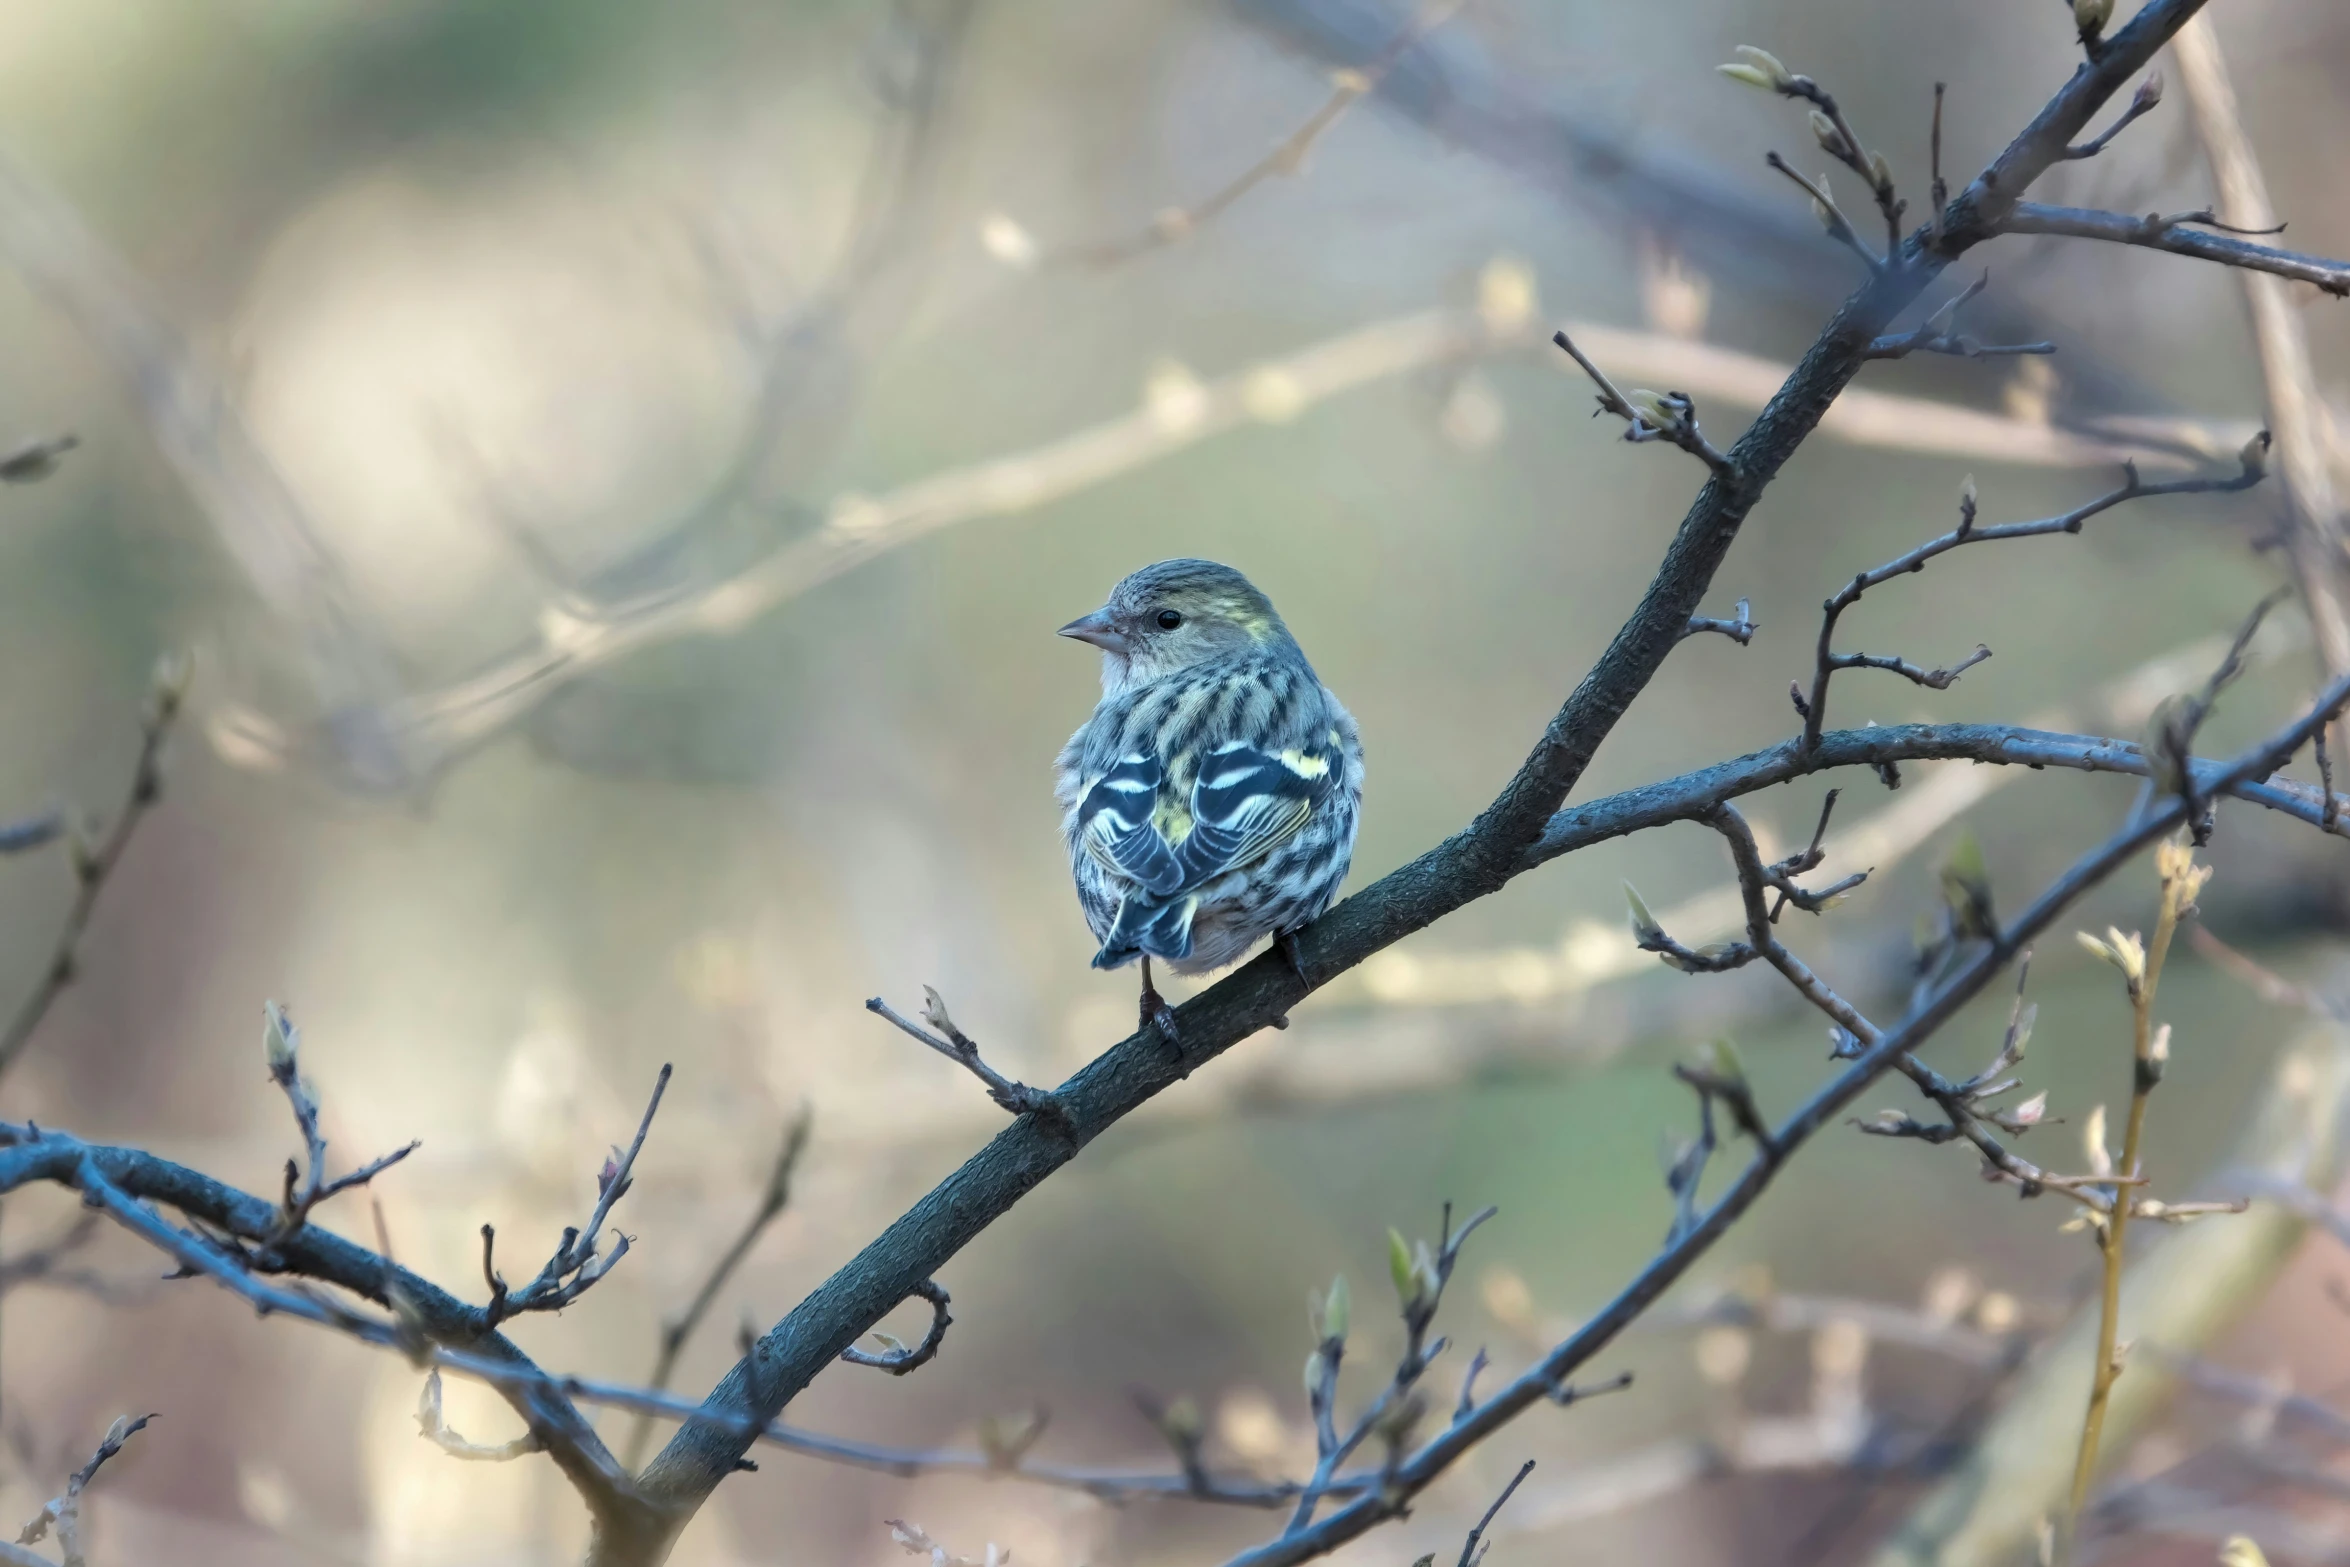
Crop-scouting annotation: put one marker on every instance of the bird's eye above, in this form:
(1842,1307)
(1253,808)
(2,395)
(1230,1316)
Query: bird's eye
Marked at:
(1169,619)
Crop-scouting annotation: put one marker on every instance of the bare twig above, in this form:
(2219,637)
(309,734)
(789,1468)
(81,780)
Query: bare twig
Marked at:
(1831,216)
(1739,628)
(2180,234)
(63,1513)
(576,1265)
(93,864)
(2265,982)
(1814,708)
(435,727)
(1172,225)
(1650,416)
(773,1198)
(282,1046)
(435,1429)
(963,1050)
(899,1359)
(1473,1549)
(29,462)
(2141,102)
(1940,335)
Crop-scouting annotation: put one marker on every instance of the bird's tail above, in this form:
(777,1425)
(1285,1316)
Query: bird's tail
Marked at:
(1147,928)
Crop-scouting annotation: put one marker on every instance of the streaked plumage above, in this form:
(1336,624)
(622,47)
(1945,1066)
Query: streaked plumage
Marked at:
(1210,801)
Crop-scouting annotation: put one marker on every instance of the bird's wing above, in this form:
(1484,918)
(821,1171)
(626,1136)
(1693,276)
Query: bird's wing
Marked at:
(1114,824)
(1246,803)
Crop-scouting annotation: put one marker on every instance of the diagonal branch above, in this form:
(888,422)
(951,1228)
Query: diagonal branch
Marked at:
(1473,863)
(93,864)
(773,1199)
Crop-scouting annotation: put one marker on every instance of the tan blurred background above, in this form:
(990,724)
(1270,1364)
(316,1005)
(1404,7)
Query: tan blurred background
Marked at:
(497,286)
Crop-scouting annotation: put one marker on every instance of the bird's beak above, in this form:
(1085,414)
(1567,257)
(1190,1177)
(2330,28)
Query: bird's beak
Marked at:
(1098,629)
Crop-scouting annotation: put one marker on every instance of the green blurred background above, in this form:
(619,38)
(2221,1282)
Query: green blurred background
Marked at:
(496,285)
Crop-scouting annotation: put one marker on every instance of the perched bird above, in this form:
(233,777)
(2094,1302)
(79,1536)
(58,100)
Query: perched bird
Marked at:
(1210,800)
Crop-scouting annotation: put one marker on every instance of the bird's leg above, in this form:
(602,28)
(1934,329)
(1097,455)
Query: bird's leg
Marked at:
(1286,942)
(1156,1013)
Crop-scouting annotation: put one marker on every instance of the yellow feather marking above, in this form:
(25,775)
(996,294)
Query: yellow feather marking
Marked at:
(1173,821)
(1305,766)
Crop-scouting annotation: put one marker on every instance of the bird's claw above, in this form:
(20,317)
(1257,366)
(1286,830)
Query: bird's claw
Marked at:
(1285,943)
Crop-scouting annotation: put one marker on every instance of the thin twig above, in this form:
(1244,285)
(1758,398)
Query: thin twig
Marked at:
(1472,1552)
(1831,216)
(434,1428)
(63,1513)
(1739,628)
(899,1359)
(1014,1097)
(1669,416)
(94,865)
(2173,233)
(1838,139)
(773,1199)
(303,1193)
(2141,102)
(1173,225)
(1939,334)
(2141,970)
(1814,708)
(576,1264)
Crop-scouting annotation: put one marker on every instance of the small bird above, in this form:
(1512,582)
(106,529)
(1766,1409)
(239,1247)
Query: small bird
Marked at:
(1210,801)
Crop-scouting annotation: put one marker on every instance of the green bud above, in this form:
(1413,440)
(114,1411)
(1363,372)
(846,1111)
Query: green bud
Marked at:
(1880,172)
(2166,742)
(1654,411)
(1313,1377)
(1749,75)
(2090,16)
(1424,1280)
(1966,887)
(1719,1059)
(1180,1420)
(1336,1308)
(2242,1551)
(1645,929)
(1766,64)
(1399,1269)
(1831,140)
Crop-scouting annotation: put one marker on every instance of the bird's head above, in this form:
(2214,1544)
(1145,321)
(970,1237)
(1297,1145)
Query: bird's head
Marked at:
(1178,613)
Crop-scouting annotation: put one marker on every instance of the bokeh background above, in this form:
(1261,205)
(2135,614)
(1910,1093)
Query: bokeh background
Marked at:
(674,341)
